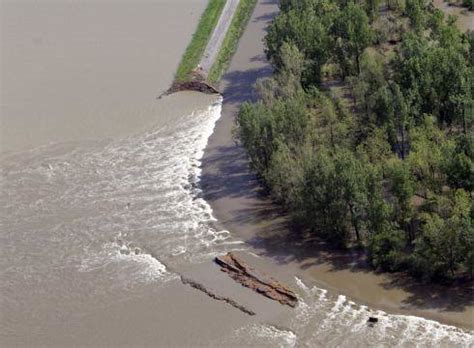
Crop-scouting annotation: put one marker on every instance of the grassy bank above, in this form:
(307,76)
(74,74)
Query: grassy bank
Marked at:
(200,38)
(239,22)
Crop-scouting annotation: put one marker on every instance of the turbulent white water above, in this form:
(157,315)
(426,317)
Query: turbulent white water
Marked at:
(325,320)
(85,224)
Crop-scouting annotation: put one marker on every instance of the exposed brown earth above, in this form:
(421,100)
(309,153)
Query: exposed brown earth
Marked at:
(250,278)
(197,80)
(214,296)
(193,85)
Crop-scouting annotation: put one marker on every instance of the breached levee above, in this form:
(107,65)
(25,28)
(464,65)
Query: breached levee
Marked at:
(198,78)
(250,278)
(191,85)
(200,287)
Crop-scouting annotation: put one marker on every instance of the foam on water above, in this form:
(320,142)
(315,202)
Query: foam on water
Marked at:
(142,267)
(118,212)
(113,213)
(334,322)
(324,320)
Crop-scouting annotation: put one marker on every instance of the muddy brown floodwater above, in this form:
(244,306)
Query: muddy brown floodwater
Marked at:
(105,235)
(234,193)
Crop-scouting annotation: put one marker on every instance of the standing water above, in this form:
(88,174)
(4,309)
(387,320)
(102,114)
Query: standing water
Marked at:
(99,195)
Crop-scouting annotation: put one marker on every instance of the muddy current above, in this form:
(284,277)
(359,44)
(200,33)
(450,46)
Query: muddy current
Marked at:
(100,204)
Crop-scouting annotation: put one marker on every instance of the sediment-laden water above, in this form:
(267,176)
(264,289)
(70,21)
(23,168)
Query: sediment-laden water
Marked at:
(96,230)
(82,225)
(323,319)
(86,225)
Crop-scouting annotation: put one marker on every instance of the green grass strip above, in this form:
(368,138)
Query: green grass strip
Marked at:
(231,40)
(198,43)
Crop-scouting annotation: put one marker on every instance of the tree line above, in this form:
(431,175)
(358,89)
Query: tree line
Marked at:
(364,131)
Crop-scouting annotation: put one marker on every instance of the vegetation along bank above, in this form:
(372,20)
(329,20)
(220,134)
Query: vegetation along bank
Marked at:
(188,68)
(364,132)
(196,47)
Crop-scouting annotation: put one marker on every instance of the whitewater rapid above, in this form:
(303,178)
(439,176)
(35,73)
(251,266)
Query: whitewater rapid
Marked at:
(84,225)
(322,319)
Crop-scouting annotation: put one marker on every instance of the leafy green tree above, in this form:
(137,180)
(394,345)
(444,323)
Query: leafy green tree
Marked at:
(306,25)
(372,9)
(324,208)
(366,88)
(403,188)
(446,239)
(379,212)
(386,241)
(400,121)
(254,128)
(435,77)
(353,29)
(386,249)
(393,167)
(331,128)
(414,10)
(291,121)
(285,176)
(376,148)
(352,179)
(459,163)
(436,20)
(470,40)
(428,148)
(286,82)
(262,128)
(291,70)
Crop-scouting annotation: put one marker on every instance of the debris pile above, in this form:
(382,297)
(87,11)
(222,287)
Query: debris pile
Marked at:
(248,277)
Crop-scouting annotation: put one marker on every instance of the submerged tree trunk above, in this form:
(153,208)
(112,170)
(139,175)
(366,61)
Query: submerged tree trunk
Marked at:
(355,223)
(358,63)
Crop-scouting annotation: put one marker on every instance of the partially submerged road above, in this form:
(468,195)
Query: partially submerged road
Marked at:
(214,45)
